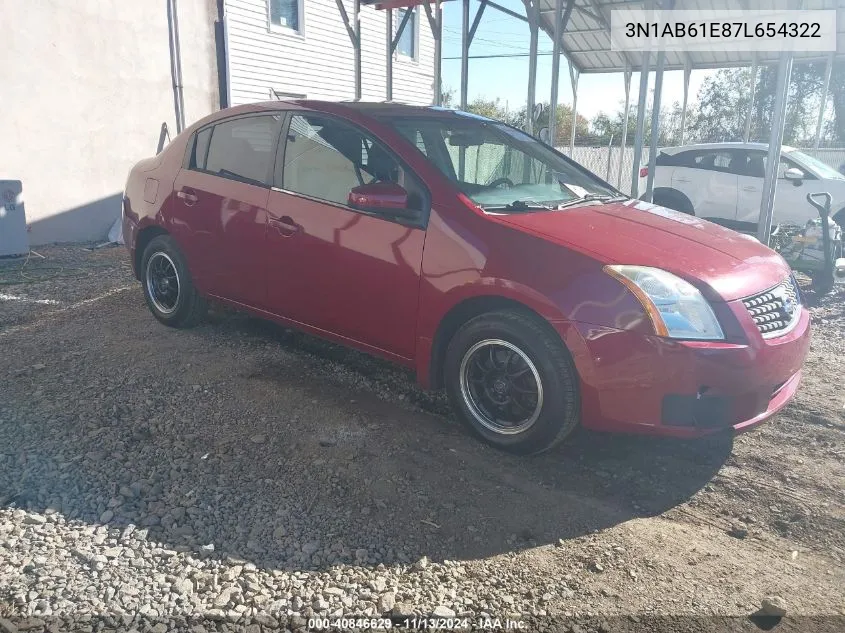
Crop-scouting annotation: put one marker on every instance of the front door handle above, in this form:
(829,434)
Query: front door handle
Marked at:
(681,179)
(752,189)
(187,196)
(285,225)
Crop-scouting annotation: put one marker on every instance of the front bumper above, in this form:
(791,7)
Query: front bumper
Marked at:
(653,385)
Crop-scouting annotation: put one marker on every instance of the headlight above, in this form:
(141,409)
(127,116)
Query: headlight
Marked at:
(676,307)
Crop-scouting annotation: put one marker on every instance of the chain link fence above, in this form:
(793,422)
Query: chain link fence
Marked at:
(604,161)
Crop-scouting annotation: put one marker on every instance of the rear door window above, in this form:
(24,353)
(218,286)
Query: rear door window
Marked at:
(712,161)
(243,149)
(664,159)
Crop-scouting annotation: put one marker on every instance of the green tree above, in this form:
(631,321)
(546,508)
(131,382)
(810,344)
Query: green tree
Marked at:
(490,108)
(606,126)
(447,97)
(723,102)
(563,123)
(836,128)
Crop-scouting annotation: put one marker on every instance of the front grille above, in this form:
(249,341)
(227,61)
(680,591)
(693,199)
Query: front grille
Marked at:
(775,311)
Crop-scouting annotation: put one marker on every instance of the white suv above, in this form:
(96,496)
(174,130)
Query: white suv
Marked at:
(724,182)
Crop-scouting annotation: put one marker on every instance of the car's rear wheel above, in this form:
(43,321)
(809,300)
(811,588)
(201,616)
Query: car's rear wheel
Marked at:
(168,288)
(512,382)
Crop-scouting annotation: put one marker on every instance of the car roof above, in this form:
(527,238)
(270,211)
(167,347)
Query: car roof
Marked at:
(718,146)
(366,108)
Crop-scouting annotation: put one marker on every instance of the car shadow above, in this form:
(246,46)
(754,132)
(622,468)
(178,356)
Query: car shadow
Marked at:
(350,464)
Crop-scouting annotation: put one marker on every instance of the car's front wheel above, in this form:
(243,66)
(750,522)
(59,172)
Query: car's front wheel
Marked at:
(170,293)
(512,382)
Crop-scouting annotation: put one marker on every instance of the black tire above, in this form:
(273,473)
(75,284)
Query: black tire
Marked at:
(187,307)
(556,409)
(673,199)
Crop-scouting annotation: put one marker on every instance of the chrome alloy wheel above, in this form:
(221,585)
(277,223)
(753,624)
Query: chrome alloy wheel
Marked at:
(163,282)
(501,386)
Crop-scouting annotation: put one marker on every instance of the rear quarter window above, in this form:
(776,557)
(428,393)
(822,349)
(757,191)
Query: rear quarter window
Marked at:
(665,160)
(199,153)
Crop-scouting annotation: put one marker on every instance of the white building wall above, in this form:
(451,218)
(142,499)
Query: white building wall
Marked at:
(86,85)
(319,61)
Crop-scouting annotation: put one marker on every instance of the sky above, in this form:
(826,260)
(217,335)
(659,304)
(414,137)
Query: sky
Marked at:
(499,33)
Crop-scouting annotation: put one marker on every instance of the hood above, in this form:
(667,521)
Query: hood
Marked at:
(723,264)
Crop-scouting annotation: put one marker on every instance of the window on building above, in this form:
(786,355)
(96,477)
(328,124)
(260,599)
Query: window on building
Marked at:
(286,14)
(407,44)
(242,149)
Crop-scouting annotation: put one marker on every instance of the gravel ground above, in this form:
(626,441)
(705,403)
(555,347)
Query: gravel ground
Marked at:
(240,476)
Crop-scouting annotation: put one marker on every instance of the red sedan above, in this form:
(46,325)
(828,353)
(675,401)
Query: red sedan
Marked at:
(538,295)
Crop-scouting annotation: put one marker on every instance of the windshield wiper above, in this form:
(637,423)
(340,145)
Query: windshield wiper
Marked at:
(591,197)
(520,205)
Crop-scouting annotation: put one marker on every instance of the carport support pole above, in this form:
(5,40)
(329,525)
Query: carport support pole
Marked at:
(640,132)
(389,59)
(628,74)
(827,71)
(573,76)
(752,86)
(655,125)
(687,74)
(438,54)
(435,22)
(465,41)
(532,12)
(354,32)
(555,70)
(176,64)
(464,55)
(767,201)
(356,20)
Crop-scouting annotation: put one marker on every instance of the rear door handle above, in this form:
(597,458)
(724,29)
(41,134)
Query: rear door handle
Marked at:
(681,180)
(187,196)
(752,189)
(285,225)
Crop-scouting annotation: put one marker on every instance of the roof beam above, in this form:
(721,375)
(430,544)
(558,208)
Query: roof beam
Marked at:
(567,51)
(579,9)
(476,21)
(605,22)
(506,11)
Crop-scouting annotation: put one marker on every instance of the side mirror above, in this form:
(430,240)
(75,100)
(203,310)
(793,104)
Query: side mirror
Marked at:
(544,135)
(795,175)
(381,197)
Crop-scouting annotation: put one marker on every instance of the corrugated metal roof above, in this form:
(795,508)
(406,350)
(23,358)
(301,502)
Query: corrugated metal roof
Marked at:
(586,40)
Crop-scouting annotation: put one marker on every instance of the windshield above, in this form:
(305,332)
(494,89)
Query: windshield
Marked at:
(819,168)
(496,165)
